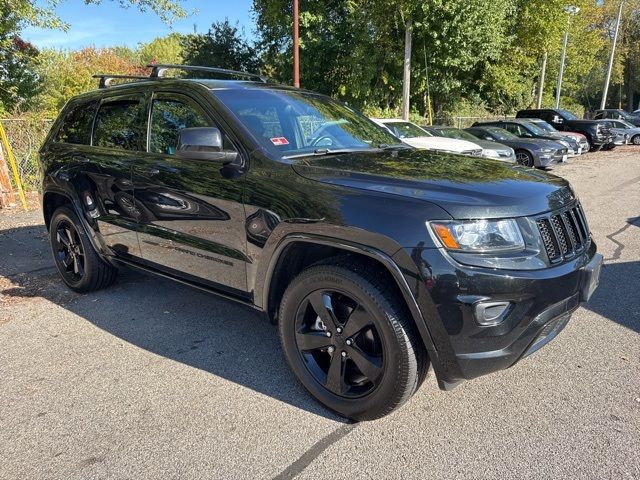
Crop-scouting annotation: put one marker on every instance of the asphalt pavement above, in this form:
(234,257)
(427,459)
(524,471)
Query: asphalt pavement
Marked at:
(153,379)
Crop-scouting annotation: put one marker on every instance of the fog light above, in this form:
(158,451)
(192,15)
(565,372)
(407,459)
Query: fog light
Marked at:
(489,314)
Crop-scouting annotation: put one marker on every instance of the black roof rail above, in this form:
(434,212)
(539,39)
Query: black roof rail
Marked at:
(159,69)
(106,78)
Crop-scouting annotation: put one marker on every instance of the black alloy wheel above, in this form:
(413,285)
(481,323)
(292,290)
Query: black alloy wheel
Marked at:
(339,343)
(79,265)
(349,339)
(69,253)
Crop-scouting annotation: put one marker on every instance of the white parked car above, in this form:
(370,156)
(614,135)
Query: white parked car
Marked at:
(413,135)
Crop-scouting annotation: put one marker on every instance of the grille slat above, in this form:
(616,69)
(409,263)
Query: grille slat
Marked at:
(564,233)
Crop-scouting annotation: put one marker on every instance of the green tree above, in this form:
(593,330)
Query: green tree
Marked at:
(18,80)
(66,74)
(162,50)
(223,46)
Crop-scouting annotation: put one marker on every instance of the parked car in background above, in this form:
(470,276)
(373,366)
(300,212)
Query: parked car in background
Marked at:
(490,149)
(621,135)
(531,152)
(578,137)
(598,135)
(617,114)
(633,132)
(524,128)
(417,137)
(379,263)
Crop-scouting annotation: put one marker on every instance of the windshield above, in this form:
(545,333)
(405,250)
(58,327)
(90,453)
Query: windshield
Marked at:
(501,134)
(456,133)
(293,123)
(545,126)
(406,130)
(535,129)
(568,115)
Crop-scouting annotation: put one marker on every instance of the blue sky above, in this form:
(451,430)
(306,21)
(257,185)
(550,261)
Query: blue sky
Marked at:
(108,24)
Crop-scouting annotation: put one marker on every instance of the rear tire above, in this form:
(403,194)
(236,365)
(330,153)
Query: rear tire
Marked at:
(79,265)
(359,355)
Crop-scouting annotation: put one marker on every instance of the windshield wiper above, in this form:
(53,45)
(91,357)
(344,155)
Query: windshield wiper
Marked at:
(321,152)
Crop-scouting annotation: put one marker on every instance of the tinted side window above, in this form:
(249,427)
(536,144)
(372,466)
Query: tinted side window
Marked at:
(168,117)
(119,125)
(76,126)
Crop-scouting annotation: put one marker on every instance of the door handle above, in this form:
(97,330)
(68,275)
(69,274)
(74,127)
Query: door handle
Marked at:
(153,171)
(81,158)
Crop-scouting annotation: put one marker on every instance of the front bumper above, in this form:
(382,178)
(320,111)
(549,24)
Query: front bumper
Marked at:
(542,302)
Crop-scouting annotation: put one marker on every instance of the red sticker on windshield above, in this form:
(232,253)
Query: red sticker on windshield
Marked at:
(279,141)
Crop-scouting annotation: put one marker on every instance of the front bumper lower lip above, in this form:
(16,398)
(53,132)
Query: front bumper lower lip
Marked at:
(541,330)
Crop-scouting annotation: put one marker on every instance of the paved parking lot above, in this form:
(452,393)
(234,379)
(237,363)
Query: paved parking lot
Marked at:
(152,379)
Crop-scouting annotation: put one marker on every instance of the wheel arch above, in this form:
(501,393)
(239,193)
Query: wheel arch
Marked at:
(51,201)
(298,251)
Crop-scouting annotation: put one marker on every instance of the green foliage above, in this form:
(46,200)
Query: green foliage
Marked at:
(18,81)
(162,50)
(223,46)
(66,74)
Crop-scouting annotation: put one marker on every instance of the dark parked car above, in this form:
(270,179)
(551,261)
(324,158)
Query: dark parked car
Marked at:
(527,129)
(583,144)
(617,114)
(530,152)
(598,135)
(373,258)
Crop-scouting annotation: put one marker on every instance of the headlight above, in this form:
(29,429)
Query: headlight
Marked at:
(547,150)
(479,235)
(490,153)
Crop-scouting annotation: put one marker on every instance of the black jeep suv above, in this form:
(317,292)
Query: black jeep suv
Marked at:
(373,258)
(598,135)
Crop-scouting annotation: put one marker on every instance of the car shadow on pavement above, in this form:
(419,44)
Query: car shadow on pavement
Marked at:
(161,316)
(617,297)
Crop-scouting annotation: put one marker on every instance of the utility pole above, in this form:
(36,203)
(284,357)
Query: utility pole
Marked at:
(569,10)
(296,45)
(603,103)
(543,73)
(406,75)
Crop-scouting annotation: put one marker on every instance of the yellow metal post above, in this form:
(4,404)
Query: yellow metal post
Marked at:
(12,164)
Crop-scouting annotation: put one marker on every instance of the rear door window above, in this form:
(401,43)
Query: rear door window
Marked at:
(120,124)
(76,125)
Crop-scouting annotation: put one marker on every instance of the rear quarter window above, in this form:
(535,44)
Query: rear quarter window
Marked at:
(76,124)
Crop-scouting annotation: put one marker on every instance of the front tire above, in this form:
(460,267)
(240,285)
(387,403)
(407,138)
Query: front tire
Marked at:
(635,139)
(349,340)
(78,264)
(524,158)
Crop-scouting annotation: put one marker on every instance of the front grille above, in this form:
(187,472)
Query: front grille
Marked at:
(564,234)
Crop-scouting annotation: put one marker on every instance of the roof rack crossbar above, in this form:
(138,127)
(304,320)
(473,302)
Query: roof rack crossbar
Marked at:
(106,78)
(159,69)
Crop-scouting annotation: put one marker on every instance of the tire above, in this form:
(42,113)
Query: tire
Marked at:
(78,264)
(385,362)
(635,140)
(524,158)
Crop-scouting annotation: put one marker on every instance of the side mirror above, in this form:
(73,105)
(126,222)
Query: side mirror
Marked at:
(203,143)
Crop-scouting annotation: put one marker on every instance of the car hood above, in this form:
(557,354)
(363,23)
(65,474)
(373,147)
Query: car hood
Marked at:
(466,187)
(532,144)
(441,143)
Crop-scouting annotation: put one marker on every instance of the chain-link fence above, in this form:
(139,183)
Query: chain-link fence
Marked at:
(25,138)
